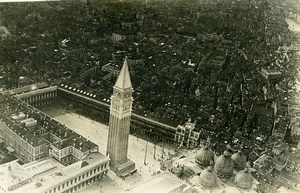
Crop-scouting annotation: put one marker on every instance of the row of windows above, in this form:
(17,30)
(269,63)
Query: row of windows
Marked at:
(20,147)
(192,134)
(82,184)
(78,178)
(38,97)
(41,103)
(179,138)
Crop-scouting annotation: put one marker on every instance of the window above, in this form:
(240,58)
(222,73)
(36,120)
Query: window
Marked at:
(98,168)
(58,188)
(83,176)
(68,183)
(91,172)
(63,186)
(79,178)
(71,181)
(75,180)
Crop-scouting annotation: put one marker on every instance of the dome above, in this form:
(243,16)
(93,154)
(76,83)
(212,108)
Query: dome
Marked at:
(208,178)
(239,160)
(244,179)
(224,165)
(205,156)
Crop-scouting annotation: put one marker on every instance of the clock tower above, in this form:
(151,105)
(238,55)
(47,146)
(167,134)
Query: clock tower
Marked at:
(119,124)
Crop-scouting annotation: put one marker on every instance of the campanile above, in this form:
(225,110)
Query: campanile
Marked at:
(119,124)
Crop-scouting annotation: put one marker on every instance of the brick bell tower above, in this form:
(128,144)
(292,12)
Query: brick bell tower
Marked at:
(119,124)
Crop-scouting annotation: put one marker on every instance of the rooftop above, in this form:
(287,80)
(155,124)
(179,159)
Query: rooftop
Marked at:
(123,81)
(163,183)
(28,88)
(4,30)
(35,91)
(45,173)
(13,112)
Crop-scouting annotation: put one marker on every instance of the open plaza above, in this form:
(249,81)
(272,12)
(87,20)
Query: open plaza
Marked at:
(97,133)
(150,96)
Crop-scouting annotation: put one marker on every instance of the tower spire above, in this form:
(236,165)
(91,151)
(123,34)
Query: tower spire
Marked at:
(123,80)
(119,124)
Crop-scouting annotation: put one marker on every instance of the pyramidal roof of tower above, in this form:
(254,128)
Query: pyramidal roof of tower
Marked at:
(123,80)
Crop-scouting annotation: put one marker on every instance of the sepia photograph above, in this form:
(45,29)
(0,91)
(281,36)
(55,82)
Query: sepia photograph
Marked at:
(150,96)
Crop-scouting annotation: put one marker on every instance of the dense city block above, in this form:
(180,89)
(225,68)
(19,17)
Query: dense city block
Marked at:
(218,80)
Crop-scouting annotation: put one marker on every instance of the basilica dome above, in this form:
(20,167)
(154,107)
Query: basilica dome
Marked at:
(208,178)
(224,165)
(244,179)
(205,156)
(239,160)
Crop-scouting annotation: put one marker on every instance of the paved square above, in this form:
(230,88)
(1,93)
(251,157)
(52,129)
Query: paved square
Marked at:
(97,133)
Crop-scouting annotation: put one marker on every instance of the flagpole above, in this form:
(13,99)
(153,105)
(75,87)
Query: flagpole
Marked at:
(163,151)
(146,153)
(154,151)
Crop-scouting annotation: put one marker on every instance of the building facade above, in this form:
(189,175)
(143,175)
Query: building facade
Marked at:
(100,110)
(187,134)
(52,158)
(50,176)
(119,124)
(40,97)
(37,95)
(117,37)
(33,135)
